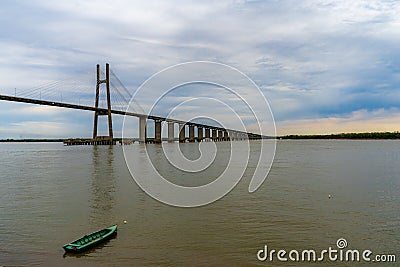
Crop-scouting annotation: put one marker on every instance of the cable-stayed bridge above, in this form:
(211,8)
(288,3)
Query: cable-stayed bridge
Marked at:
(114,98)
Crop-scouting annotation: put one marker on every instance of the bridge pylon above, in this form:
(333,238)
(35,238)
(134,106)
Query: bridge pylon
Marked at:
(97,113)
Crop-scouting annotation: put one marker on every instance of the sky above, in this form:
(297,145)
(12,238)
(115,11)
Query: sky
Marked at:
(323,66)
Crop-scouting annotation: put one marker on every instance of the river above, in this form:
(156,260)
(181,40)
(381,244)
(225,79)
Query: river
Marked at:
(317,192)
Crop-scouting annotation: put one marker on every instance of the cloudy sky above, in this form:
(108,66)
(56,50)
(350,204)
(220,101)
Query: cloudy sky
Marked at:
(324,66)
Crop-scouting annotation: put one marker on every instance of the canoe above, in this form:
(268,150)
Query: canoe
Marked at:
(90,240)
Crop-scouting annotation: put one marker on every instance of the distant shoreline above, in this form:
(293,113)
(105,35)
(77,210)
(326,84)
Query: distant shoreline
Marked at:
(31,140)
(344,136)
(355,136)
(46,140)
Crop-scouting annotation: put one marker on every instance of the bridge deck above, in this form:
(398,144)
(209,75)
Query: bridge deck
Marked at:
(105,111)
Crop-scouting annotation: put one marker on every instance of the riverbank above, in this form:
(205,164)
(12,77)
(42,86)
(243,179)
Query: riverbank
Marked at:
(371,135)
(368,135)
(31,140)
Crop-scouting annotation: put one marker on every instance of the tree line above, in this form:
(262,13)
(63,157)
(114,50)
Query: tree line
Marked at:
(371,135)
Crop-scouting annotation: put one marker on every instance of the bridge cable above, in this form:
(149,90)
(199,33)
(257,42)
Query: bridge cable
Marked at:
(126,90)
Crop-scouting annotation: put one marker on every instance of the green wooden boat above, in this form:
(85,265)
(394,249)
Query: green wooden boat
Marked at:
(90,240)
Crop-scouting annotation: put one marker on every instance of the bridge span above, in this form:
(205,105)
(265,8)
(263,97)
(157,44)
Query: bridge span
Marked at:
(204,132)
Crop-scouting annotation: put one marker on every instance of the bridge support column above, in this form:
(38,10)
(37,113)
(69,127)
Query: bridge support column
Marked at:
(214,134)
(181,133)
(220,135)
(191,133)
(170,132)
(110,136)
(207,133)
(157,131)
(231,135)
(199,133)
(226,136)
(142,130)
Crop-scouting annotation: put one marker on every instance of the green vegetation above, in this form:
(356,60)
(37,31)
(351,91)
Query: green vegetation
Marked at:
(373,135)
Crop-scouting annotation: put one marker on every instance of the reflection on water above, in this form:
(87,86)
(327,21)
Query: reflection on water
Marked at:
(103,185)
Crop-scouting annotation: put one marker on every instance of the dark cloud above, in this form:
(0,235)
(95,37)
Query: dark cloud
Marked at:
(312,59)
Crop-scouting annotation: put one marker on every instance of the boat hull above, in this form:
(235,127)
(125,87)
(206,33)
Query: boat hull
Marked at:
(91,240)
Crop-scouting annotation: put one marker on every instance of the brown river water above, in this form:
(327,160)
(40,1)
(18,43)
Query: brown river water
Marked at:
(317,192)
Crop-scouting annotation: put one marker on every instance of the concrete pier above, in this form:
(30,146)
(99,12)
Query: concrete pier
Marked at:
(214,134)
(142,130)
(232,135)
(191,133)
(181,133)
(220,135)
(226,136)
(199,133)
(157,131)
(171,132)
(207,133)
(99,140)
